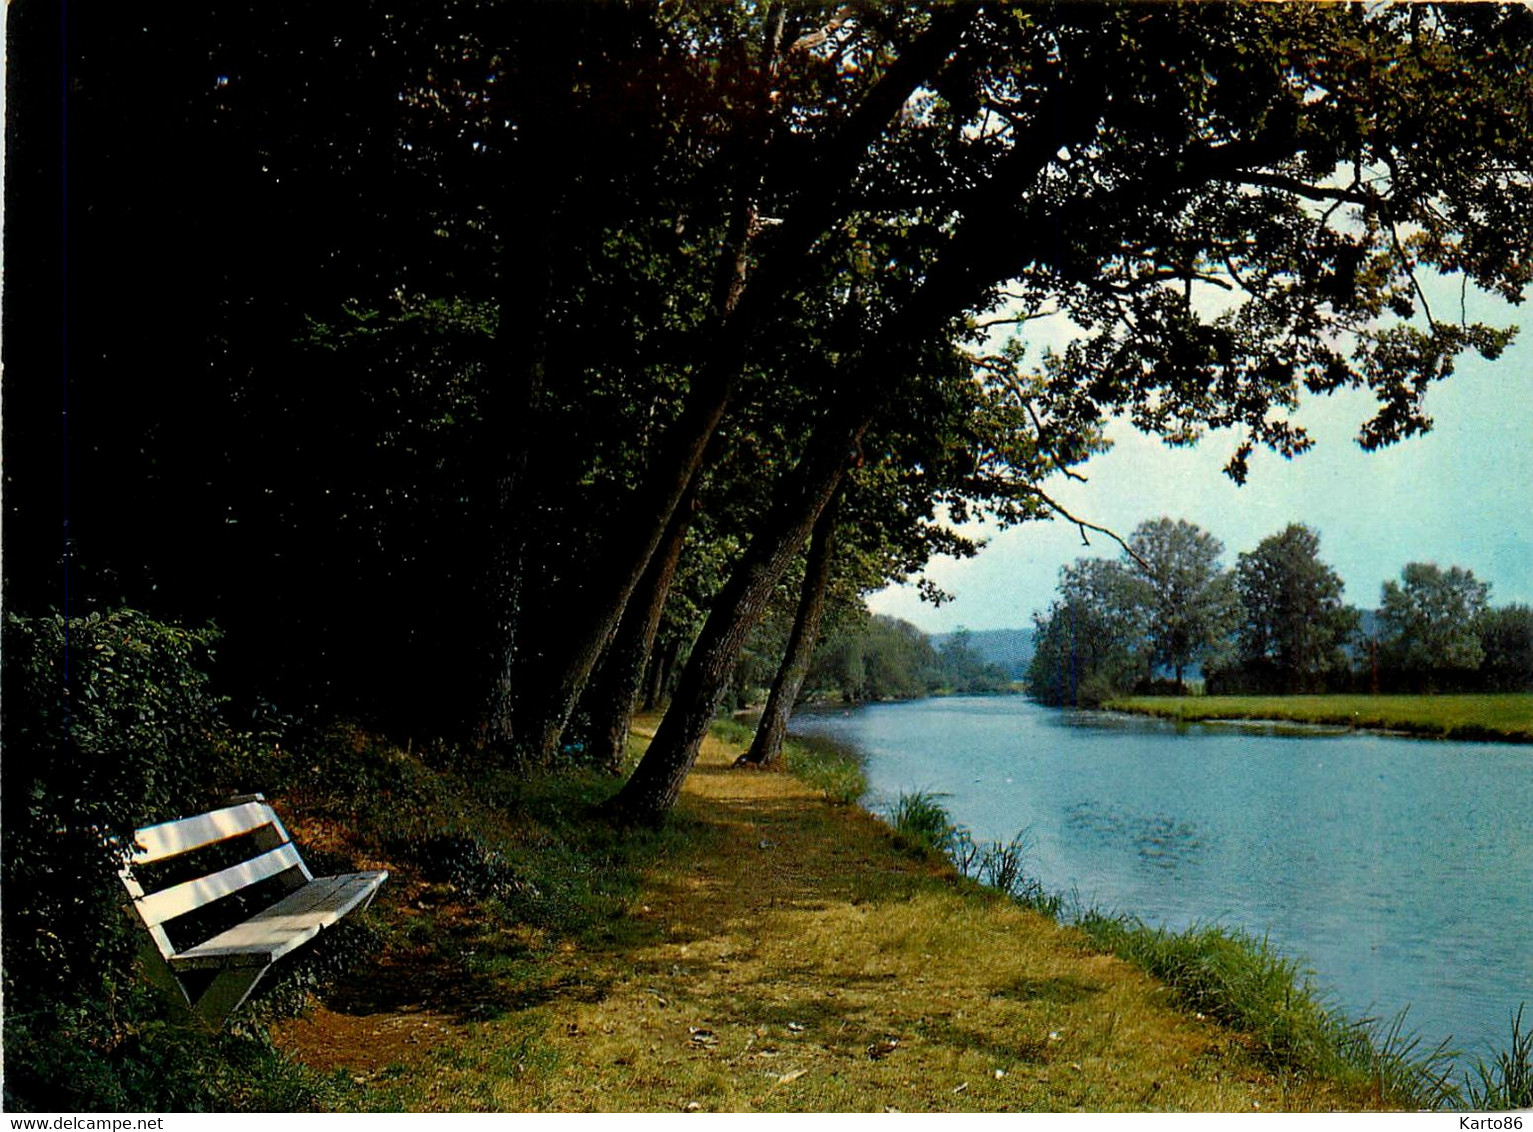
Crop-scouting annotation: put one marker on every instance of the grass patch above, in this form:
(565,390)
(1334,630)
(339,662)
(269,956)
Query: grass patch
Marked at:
(1506,1082)
(1504,717)
(1242,982)
(1230,976)
(922,822)
(834,773)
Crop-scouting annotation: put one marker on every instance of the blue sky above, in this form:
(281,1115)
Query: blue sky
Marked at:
(1462,495)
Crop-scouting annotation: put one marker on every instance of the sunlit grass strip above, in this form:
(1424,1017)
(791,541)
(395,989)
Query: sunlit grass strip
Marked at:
(834,773)
(1500,717)
(1241,981)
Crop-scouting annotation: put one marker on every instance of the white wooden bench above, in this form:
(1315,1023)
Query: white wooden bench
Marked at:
(218,973)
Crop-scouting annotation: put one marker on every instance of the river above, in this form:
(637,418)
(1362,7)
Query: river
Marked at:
(1399,870)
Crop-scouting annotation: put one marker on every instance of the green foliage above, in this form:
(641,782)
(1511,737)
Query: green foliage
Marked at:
(57,1060)
(1294,625)
(879,658)
(922,822)
(111,724)
(884,658)
(1506,638)
(1277,625)
(1165,604)
(964,672)
(1190,602)
(403,306)
(1428,623)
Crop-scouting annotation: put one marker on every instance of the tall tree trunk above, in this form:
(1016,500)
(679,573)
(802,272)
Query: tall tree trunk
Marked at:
(610,699)
(534,207)
(973,260)
(652,789)
(767,743)
(661,661)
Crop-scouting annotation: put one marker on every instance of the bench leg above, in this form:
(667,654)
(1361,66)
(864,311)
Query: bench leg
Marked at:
(228,989)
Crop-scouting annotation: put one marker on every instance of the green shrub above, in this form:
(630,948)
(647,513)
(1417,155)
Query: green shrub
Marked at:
(110,724)
(1243,982)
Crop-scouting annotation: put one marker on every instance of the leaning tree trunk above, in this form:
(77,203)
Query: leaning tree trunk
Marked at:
(610,699)
(655,784)
(767,743)
(825,173)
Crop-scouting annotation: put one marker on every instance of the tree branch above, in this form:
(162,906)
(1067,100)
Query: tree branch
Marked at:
(1083,526)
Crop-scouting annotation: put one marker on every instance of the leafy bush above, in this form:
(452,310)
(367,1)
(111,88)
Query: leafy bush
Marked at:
(110,723)
(474,870)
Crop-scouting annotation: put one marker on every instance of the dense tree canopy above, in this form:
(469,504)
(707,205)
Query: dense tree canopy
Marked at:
(407,339)
(1189,598)
(1429,624)
(1091,642)
(1294,624)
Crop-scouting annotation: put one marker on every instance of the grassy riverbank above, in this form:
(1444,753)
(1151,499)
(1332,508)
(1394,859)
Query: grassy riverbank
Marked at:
(772,949)
(1505,717)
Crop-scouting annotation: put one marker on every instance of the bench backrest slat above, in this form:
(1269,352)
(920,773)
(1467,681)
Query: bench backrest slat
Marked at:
(157,907)
(172,838)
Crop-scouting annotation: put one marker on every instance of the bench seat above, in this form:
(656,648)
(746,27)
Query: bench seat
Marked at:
(214,976)
(290,923)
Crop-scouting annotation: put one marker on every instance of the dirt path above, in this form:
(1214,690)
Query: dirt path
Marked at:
(793,958)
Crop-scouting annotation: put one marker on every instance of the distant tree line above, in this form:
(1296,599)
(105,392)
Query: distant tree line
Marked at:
(889,659)
(864,657)
(1276,623)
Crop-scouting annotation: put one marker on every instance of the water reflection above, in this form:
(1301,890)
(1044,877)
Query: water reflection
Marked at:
(1159,840)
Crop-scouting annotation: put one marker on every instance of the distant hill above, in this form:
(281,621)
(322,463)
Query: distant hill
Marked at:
(1010,649)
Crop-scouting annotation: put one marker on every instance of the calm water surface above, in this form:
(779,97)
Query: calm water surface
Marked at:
(1400,870)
